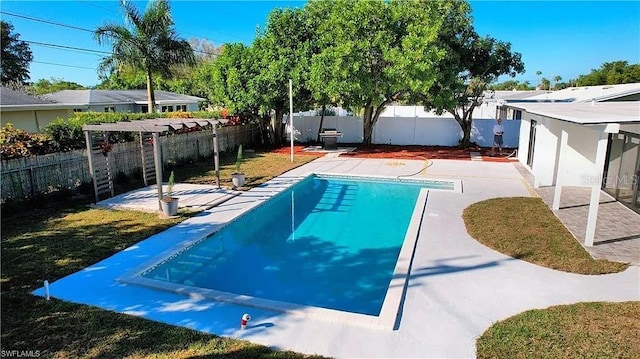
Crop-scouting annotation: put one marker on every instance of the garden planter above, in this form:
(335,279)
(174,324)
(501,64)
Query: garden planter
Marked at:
(237,179)
(169,206)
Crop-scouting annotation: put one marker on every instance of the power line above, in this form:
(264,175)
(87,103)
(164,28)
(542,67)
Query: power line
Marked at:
(69,48)
(77,28)
(99,7)
(47,21)
(77,67)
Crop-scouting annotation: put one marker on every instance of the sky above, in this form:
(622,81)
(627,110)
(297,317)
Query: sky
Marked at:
(564,39)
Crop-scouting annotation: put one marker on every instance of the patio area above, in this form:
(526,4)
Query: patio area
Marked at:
(456,288)
(617,235)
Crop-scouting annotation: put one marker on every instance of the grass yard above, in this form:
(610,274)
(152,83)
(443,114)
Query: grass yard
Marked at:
(259,167)
(51,241)
(583,330)
(525,228)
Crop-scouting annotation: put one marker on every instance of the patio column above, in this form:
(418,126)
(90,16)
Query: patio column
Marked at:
(157,159)
(87,136)
(216,155)
(562,148)
(595,190)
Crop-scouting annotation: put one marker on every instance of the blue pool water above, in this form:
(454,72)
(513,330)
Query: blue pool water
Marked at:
(329,242)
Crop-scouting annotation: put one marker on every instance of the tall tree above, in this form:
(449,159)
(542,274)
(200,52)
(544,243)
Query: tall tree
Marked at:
(149,43)
(372,61)
(470,64)
(539,73)
(15,57)
(231,80)
(282,52)
(557,79)
(611,73)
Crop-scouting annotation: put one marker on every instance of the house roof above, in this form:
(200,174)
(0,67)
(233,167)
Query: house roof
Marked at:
(586,113)
(510,95)
(589,93)
(99,97)
(9,97)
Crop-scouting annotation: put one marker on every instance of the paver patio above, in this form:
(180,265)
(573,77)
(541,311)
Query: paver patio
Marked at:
(457,287)
(617,236)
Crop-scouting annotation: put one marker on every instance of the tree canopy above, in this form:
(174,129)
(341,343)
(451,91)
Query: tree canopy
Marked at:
(43,86)
(15,57)
(511,85)
(150,43)
(389,51)
(611,73)
(470,64)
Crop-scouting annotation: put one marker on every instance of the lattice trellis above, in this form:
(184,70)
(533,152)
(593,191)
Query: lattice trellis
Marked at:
(100,163)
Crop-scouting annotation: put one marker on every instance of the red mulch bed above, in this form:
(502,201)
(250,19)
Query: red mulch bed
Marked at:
(409,152)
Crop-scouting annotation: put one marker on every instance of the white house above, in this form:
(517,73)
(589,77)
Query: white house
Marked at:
(123,100)
(594,144)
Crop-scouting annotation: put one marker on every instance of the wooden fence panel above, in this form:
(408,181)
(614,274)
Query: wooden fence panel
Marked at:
(31,176)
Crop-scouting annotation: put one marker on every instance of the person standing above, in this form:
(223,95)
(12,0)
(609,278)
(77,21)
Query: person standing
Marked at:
(498,131)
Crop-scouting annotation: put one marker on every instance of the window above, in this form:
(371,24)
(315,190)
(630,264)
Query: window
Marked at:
(181,108)
(110,109)
(144,108)
(167,108)
(76,110)
(517,115)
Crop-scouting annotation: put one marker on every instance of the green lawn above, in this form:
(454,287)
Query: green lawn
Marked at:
(525,228)
(583,330)
(259,167)
(50,241)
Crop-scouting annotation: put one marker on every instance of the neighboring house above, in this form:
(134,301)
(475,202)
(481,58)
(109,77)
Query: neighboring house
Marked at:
(600,93)
(124,100)
(593,144)
(27,112)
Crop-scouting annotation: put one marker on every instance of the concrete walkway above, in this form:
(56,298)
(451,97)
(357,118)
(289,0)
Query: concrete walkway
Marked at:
(195,197)
(456,289)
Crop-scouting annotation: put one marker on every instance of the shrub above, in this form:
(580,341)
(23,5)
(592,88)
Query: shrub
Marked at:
(16,143)
(65,134)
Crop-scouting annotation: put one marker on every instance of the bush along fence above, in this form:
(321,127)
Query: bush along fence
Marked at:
(30,177)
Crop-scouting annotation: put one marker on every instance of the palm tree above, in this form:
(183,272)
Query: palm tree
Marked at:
(149,43)
(557,79)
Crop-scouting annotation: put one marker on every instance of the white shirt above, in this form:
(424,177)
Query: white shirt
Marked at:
(498,129)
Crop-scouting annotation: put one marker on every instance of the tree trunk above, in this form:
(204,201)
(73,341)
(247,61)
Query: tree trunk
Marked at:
(321,122)
(277,128)
(465,142)
(151,96)
(367,125)
(371,116)
(465,125)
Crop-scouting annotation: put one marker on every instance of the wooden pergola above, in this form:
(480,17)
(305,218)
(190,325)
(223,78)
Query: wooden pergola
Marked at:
(98,148)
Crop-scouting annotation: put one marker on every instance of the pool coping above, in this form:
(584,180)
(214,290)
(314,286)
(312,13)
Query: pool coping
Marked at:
(390,311)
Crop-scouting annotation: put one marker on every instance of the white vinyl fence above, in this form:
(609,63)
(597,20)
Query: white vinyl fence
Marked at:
(425,131)
(31,176)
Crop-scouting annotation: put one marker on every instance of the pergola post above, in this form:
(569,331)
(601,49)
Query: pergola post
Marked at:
(89,142)
(594,203)
(562,148)
(216,155)
(157,159)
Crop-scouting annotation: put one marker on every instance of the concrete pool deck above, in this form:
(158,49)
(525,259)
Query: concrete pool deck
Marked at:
(456,288)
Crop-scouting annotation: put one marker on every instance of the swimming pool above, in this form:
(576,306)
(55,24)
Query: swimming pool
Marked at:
(327,244)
